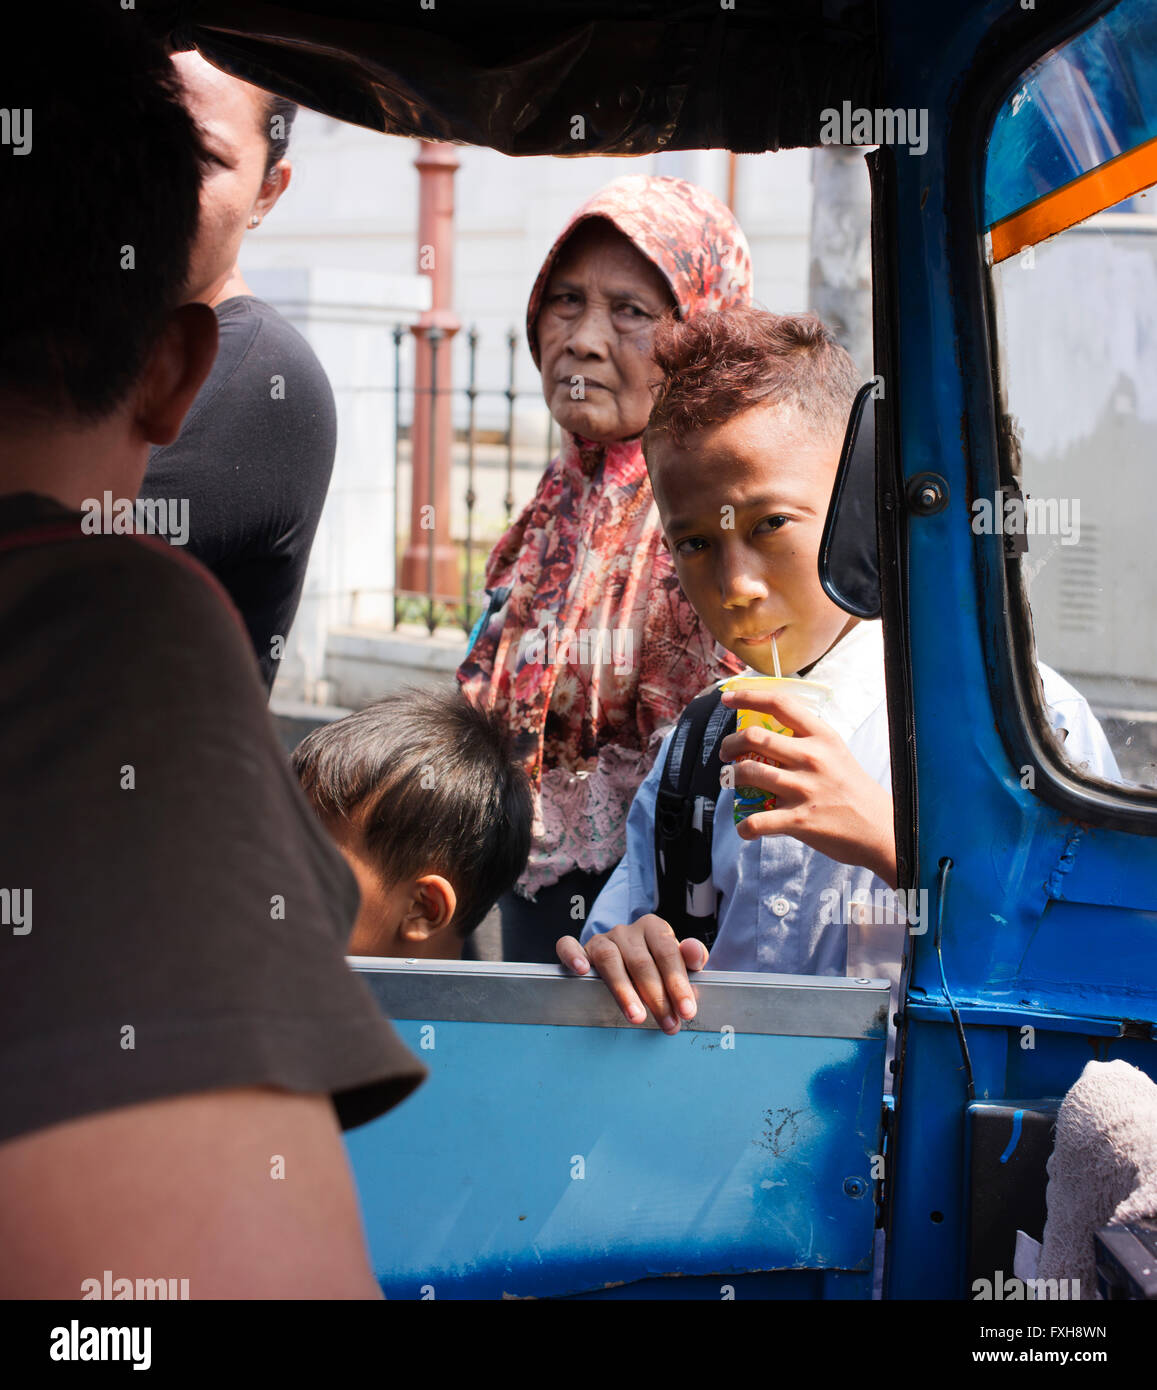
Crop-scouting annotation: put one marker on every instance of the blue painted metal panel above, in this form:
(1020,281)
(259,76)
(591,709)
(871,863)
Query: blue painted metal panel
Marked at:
(1011,940)
(696,1159)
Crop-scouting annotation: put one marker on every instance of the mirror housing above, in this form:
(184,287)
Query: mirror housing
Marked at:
(849,550)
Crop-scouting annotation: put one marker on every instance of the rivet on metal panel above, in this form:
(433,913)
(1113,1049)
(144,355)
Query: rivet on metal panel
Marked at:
(927,494)
(855,1187)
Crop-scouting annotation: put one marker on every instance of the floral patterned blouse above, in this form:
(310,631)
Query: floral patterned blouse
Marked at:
(595,650)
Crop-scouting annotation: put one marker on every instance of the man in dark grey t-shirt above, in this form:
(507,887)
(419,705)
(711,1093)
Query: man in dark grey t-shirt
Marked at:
(178,1028)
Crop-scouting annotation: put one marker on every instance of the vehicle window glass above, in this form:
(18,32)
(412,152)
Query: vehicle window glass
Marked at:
(1071,211)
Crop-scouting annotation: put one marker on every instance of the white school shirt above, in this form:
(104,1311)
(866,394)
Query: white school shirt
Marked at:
(784,906)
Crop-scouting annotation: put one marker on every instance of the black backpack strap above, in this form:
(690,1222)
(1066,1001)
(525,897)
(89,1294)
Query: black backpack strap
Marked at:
(685,818)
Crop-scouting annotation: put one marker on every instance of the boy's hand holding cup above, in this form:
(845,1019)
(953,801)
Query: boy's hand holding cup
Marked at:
(750,799)
(794,775)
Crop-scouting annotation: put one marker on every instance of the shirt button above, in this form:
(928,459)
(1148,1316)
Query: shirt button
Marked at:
(780,906)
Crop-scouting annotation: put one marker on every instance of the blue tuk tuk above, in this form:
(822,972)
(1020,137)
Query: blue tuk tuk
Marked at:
(556,1151)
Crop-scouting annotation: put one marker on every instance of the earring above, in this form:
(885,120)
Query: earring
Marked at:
(255,221)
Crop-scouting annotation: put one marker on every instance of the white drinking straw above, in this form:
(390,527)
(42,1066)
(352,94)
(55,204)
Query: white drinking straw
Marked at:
(775,656)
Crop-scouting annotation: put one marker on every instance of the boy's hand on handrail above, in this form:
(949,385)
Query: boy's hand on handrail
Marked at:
(823,797)
(644,965)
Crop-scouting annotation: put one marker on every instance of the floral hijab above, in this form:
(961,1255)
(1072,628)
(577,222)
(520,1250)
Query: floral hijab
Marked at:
(585,555)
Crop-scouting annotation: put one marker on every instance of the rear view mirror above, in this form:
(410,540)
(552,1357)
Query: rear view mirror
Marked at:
(849,553)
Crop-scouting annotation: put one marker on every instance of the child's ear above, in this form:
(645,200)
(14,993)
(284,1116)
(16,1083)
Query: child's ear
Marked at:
(433,903)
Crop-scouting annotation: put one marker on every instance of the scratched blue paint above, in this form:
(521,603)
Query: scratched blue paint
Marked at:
(1065,863)
(1014,1138)
(697,1160)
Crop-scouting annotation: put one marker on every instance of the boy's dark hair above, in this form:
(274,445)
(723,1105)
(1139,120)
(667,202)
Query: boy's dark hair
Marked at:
(434,788)
(278,144)
(715,366)
(114,161)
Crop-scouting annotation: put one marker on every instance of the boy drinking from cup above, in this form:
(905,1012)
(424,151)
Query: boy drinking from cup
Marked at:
(742,449)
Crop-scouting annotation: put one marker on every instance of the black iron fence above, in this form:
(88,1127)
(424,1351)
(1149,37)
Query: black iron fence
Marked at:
(503,459)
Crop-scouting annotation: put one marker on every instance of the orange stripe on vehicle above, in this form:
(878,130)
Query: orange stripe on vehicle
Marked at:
(1100,188)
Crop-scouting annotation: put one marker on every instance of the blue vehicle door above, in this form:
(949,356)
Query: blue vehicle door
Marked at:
(557,1150)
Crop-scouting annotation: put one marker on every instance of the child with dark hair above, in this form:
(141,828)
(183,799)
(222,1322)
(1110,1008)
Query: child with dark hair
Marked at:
(742,448)
(422,797)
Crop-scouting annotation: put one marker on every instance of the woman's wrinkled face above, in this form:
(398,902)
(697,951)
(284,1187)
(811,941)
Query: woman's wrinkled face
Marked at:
(231,117)
(594,331)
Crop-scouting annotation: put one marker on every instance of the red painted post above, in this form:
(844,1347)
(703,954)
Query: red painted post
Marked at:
(431,437)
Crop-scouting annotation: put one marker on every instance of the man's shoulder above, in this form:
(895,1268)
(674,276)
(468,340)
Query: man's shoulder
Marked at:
(160,833)
(248,320)
(107,575)
(242,405)
(88,618)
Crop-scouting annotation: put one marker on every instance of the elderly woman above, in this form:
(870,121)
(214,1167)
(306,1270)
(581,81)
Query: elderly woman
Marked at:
(590,648)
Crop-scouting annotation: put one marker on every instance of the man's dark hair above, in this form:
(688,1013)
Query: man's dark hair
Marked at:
(431,784)
(276,106)
(114,162)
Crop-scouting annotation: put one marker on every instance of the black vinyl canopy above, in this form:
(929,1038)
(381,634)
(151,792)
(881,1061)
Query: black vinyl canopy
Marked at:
(514,75)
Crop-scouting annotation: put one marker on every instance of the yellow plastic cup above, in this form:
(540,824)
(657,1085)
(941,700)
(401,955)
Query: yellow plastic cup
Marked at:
(749,800)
